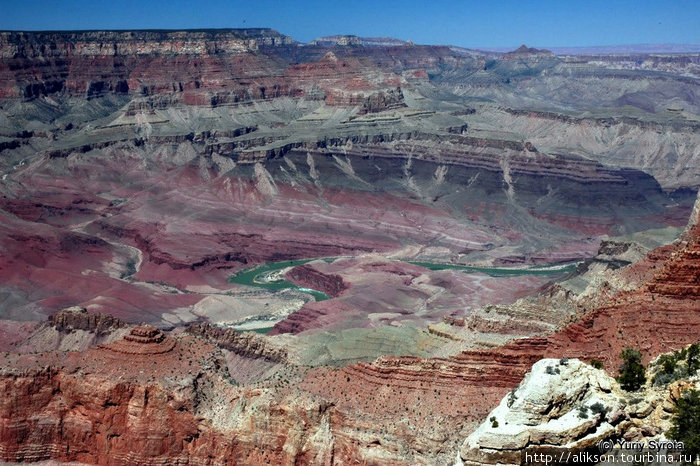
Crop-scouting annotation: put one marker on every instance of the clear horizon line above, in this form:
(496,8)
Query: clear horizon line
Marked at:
(474,47)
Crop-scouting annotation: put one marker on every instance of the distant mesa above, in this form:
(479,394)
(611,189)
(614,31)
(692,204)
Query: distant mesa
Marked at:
(524,50)
(143,339)
(352,40)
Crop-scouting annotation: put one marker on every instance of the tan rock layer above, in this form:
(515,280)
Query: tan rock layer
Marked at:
(78,318)
(248,344)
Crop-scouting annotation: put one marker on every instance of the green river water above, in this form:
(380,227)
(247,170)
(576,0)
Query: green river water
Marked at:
(256,276)
(259,276)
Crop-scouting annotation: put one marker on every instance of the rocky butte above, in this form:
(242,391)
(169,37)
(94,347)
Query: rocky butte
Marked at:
(228,247)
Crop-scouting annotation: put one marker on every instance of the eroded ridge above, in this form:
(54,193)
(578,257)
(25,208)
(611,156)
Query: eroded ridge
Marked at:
(143,339)
(681,277)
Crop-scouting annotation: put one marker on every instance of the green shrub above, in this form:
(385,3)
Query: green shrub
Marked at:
(597,363)
(512,398)
(678,365)
(632,373)
(582,412)
(668,364)
(693,360)
(686,422)
(599,408)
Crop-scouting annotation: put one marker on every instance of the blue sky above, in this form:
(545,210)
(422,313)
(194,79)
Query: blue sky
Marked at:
(486,23)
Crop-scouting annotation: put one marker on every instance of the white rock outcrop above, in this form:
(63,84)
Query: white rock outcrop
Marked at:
(560,403)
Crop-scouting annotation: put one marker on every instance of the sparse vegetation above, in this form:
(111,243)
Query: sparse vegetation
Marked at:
(678,365)
(583,412)
(129,269)
(693,358)
(599,408)
(686,422)
(632,372)
(596,363)
(512,398)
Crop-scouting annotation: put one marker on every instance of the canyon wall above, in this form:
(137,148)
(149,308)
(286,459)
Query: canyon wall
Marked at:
(141,170)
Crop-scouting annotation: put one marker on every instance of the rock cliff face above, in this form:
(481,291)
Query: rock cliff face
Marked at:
(249,345)
(94,63)
(71,329)
(135,402)
(77,318)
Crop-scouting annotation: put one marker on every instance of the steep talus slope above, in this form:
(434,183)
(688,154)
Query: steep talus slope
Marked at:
(665,148)
(72,329)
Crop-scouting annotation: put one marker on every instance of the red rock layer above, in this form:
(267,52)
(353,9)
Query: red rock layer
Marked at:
(463,387)
(307,276)
(143,340)
(201,68)
(107,407)
(681,276)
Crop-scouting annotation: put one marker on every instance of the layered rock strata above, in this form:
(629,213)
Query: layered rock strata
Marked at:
(143,340)
(249,344)
(78,318)
(126,404)
(330,284)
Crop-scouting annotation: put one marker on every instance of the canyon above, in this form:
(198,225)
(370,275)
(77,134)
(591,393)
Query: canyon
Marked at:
(229,247)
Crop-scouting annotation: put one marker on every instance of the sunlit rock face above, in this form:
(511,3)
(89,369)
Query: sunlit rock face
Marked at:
(550,408)
(566,408)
